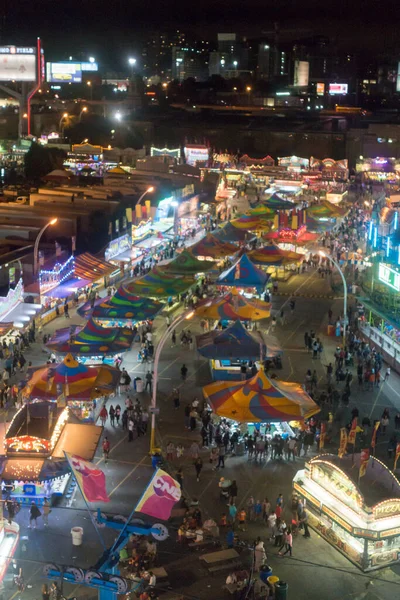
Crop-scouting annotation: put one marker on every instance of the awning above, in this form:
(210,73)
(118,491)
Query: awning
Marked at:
(89,267)
(21,314)
(81,439)
(67,288)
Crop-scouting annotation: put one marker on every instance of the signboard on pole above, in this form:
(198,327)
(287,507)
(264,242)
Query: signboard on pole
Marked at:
(18,63)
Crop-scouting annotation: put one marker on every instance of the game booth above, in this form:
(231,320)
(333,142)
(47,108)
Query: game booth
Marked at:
(83,389)
(355,506)
(271,406)
(34,465)
(231,348)
(232,307)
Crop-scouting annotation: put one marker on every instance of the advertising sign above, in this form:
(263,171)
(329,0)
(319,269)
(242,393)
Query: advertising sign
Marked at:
(118,246)
(194,154)
(89,66)
(63,72)
(160,496)
(320,89)
(338,88)
(389,277)
(17,64)
(301,73)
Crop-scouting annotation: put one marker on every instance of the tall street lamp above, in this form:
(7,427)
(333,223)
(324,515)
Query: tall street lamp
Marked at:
(83,110)
(148,191)
(336,264)
(60,126)
(132,62)
(153,407)
(36,247)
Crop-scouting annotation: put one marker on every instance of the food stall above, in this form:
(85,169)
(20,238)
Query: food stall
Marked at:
(354,506)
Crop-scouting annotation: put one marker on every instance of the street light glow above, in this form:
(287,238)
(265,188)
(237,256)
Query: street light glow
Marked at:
(150,189)
(92,59)
(65,115)
(53,221)
(84,109)
(190,315)
(132,61)
(118,116)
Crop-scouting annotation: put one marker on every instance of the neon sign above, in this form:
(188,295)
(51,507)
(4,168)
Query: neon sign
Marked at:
(389,277)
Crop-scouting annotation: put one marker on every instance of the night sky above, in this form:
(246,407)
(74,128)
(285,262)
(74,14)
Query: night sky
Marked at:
(102,27)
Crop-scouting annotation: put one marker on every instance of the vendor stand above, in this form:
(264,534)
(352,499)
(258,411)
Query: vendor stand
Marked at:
(124,309)
(355,507)
(244,274)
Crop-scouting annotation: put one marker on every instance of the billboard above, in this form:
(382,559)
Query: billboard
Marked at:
(63,72)
(17,63)
(89,66)
(338,88)
(320,89)
(196,153)
(301,73)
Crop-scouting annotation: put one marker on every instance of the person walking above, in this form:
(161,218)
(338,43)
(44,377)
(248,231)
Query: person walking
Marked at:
(103,416)
(106,449)
(221,457)
(111,412)
(232,514)
(131,427)
(149,381)
(303,519)
(34,514)
(117,414)
(176,398)
(46,512)
(184,372)
(233,492)
(173,339)
(45,592)
(198,465)
(288,543)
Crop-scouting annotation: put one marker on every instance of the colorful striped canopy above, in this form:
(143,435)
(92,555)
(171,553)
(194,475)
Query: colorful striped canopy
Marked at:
(88,266)
(263,211)
(187,264)
(234,306)
(278,203)
(260,400)
(236,342)
(251,223)
(86,310)
(325,210)
(124,305)
(159,283)
(244,274)
(90,340)
(72,379)
(229,233)
(274,256)
(212,247)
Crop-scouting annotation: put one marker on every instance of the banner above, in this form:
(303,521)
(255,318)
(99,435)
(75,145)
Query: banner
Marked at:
(373,440)
(353,432)
(364,458)
(160,496)
(396,458)
(343,442)
(90,479)
(322,436)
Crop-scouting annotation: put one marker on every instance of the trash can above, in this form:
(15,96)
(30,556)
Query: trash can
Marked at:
(155,460)
(273,580)
(265,573)
(77,535)
(281,588)
(331,330)
(139,385)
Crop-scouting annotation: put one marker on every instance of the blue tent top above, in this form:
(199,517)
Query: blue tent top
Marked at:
(229,233)
(236,342)
(244,274)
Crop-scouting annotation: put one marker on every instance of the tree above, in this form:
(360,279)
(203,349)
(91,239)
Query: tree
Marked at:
(41,160)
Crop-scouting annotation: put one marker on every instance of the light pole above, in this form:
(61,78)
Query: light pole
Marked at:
(60,126)
(184,316)
(89,84)
(84,109)
(36,247)
(148,191)
(336,264)
(132,62)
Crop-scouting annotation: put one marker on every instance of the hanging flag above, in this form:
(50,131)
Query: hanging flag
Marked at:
(322,436)
(353,432)
(396,458)
(160,496)
(90,479)
(364,458)
(343,442)
(373,440)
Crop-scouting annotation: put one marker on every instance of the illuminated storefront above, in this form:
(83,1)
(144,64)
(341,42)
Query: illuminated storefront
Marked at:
(118,246)
(356,512)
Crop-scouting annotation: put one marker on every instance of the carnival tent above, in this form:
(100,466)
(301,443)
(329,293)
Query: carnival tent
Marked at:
(159,283)
(244,274)
(236,342)
(187,264)
(86,310)
(124,305)
(229,233)
(297,237)
(263,211)
(325,210)
(212,247)
(318,225)
(73,380)
(260,399)
(272,255)
(90,340)
(278,203)
(233,306)
(251,223)
(89,267)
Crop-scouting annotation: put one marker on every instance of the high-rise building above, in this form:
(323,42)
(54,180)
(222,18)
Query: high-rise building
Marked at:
(186,63)
(264,61)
